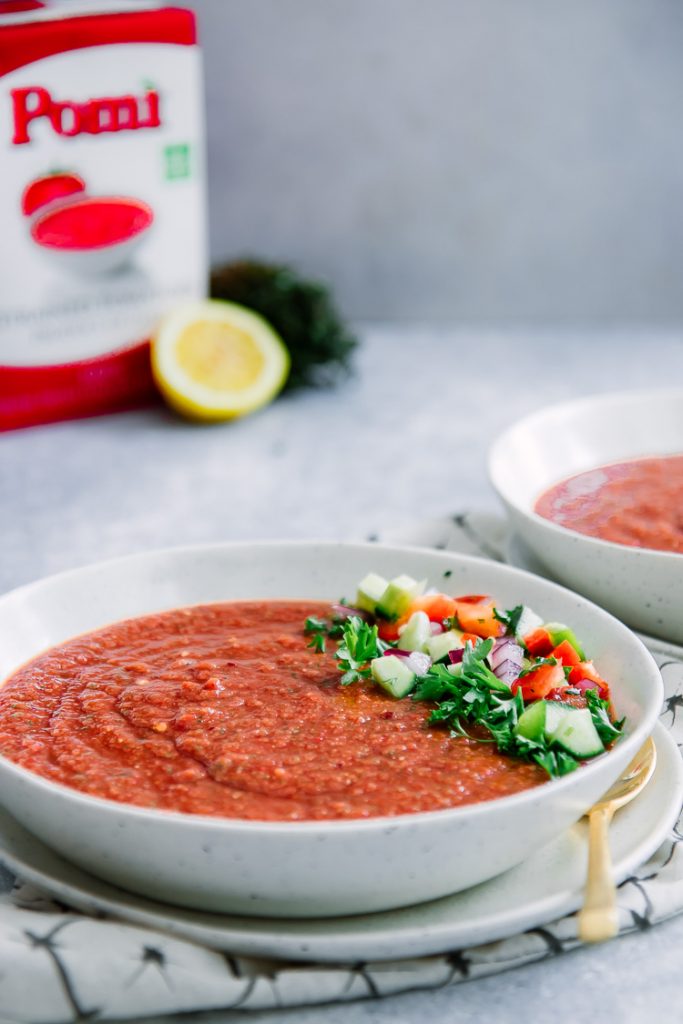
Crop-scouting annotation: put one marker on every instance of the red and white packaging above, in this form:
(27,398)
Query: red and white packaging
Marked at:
(102,199)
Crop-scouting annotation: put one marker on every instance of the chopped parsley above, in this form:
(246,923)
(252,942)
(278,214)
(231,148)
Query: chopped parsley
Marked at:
(320,628)
(510,619)
(317,642)
(358,646)
(315,625)
(539,663)
(475,696)
(467,696)
(607,729)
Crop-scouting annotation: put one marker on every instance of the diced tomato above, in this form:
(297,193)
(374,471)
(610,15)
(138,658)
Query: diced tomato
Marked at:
(566,653)
(539,643)
(472,637)
(538,684)
(587,670)
(437,606)
(473,599)
(478,618)
(43,190)
(388,631)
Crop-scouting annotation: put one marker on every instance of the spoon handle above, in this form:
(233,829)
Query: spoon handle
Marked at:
(598,919)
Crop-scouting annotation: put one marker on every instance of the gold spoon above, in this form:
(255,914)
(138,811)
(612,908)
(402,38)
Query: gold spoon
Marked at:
(598,918)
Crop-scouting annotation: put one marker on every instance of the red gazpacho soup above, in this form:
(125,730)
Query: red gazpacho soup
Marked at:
(638,503)
(243,710)
(224,710)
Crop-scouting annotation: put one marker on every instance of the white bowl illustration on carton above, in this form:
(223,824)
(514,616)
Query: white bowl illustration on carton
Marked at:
(83,233)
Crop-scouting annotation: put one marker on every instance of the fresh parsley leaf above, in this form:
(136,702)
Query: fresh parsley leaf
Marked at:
(352,677)
(360,643)
(317,642)
(607,729)
(320,628)
(475,696)
(556,762)
(510,619)
(538,663)
(435,684)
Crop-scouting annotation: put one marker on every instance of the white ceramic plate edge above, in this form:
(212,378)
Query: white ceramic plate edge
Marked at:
(410,932)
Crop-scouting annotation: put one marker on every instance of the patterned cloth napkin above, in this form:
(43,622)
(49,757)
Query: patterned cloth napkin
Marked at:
(57,964)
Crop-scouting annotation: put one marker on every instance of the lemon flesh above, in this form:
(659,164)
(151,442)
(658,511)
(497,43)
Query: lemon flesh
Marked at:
(216,360)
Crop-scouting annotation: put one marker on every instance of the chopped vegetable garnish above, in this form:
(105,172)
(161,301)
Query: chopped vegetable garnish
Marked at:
(532,695)
(359,645)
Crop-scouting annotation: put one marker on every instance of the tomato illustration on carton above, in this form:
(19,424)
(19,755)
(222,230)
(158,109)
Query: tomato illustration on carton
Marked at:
(84,233)
(52,186)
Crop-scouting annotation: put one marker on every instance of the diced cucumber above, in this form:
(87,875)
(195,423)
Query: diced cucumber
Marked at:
(559,632)
(398,596)
(531,722)
(555,712)
(438,646)
(455,670)
(577,735)
(528,622)
(416,633)
(370,590)
(542,718)
(393,675)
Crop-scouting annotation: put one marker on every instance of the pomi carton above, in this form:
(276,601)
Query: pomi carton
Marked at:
(102,204)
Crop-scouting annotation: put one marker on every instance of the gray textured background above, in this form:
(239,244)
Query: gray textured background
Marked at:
(467,160)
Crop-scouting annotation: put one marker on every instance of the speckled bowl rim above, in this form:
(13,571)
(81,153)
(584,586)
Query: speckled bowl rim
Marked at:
(634,740)
(496,454)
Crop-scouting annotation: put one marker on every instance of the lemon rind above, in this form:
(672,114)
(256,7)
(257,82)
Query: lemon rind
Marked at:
(192,398)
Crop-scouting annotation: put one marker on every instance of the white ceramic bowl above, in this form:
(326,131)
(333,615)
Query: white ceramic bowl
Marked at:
(107,259)
(641,586)
(300,869)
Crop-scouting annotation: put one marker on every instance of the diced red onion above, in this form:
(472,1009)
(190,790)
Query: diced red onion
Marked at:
(506,659)
(343,611)
(416,661)
(455,656)
(436,628)
(506,649)
(507,671)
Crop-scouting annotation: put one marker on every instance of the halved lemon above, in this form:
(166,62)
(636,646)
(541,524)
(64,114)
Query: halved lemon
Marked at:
(215,360)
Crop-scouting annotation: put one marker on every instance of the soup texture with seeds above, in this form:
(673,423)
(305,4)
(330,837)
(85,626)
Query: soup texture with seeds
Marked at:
(224,710)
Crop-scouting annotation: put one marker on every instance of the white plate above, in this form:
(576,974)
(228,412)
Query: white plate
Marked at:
(543,888)
(305,868)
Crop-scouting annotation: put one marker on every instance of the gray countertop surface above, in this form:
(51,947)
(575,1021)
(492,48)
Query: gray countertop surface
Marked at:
(402,440)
